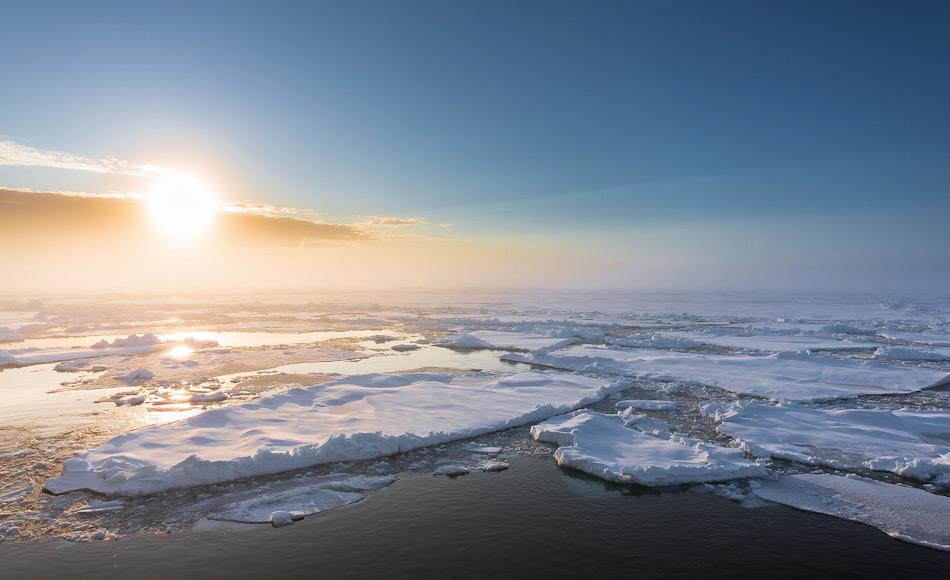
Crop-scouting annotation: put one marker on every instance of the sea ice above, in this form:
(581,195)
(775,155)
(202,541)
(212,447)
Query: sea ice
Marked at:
(136,376)
(905,513)
(405,347)
(499,340)
(354,418)
(298,500)
(601,446)
(647,405)
(905,353)
(929,338)
(908,443)
(773,342)
(791,376)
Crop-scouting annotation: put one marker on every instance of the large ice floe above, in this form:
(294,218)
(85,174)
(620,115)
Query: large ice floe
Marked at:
(354,418)
(912,444)
(795,376)
(773,342)
(602,446)
(905,513)
(499,340)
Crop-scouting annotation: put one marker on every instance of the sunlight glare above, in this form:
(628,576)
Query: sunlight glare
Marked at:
(182,206)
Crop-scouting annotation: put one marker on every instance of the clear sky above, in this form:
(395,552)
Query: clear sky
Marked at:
(744,144)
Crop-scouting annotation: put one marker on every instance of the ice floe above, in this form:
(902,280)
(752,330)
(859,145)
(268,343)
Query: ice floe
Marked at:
(906,353)
(499,340)
(601,446)
(354,418)
(795,376)
(911,444)
(905,513)
(773,343)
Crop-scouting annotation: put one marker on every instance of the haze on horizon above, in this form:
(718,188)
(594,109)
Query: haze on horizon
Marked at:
(689,145)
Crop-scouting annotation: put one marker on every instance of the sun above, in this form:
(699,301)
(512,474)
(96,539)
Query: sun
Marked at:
(182,206)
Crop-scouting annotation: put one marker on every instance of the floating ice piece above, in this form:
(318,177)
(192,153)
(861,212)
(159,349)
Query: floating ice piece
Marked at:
(647,405)
(905,353)
(99,507)
(130,400)
(138,375)
(599,445)
(361,483)
(280,519)
(452,470)
(493,465)
(498,340)
(70,366)
(908,443)
(774,342)
(213,397)
(351,419)
(405,347)
(306,501)
(904,513)
(791,376)
(655,341)
(133,340)
(486,449)
(930,338)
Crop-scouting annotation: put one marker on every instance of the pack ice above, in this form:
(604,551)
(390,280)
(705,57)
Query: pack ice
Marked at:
(499,340)
(355,418)
(911,444)
(795,376)
(905,513)
(601,446)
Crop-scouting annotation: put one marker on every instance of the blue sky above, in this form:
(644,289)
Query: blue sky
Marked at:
(701,133)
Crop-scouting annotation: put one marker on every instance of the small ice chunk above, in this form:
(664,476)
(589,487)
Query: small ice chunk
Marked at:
(280,519)
(98,507)
(492,465)
(486,449)
(306,500)
(647,405)
(213,397)
(904,513)
(361,483)
(138,375)
(452,470)
(405,347)
(130,400)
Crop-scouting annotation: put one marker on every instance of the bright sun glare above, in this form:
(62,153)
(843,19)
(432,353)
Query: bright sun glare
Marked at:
(182,205)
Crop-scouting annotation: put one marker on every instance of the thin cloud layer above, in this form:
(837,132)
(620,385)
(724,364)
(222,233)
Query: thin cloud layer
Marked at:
(394,221)
(16,154)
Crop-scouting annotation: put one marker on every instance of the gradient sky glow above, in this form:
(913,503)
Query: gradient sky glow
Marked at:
(724,144)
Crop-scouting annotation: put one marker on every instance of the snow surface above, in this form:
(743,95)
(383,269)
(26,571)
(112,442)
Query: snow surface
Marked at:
(773,342)
(354,418)
(789,376)
(911,444)
(499,340)
(905,513)
(601,446)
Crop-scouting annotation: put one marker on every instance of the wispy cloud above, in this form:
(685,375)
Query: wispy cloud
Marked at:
(393,221)
(16,154)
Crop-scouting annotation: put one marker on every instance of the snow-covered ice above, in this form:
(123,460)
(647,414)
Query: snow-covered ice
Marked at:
(601,446)
(354,418)
(499,340)
(905,513)
(136,376)
(911,354)
(795,376)
(773,342)
(912,444)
